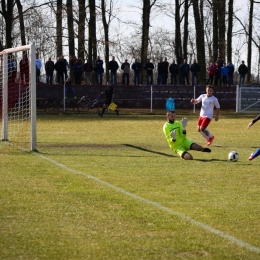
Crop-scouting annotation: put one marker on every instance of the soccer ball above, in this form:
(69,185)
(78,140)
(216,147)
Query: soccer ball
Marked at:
(233,156)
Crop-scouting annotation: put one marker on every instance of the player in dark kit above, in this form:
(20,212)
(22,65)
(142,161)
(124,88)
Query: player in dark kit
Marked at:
(257,152)
(109,92)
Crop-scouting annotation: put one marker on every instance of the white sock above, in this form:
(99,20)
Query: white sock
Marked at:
(204,135)
(207,132)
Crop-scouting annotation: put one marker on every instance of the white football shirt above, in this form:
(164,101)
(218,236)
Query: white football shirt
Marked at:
(207,105)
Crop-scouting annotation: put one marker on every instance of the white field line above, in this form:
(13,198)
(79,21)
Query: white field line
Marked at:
(159,206)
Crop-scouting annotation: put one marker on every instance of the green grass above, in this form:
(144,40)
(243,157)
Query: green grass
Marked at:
(111,188)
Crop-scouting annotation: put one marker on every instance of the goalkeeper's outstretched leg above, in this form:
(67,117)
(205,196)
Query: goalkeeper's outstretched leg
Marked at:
(175,133)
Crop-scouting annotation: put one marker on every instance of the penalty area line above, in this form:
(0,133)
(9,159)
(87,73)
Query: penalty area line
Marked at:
(158,206)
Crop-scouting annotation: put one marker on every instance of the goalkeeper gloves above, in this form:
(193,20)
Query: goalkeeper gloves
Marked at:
(173,135)
(184,123)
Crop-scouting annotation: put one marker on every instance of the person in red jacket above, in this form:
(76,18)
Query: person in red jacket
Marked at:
(211,72)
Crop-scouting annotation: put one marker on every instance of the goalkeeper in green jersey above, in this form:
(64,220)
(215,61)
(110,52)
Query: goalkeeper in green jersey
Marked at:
(175,133)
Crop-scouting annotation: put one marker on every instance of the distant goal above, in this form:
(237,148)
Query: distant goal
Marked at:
(18,97)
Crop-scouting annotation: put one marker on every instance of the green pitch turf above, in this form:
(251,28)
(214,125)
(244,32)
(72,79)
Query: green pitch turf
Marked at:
(111,188)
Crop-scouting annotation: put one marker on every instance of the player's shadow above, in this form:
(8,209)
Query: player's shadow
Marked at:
(168,155)
(209,160)
(146,150)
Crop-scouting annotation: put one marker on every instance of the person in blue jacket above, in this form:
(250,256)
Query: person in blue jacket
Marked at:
(224,74)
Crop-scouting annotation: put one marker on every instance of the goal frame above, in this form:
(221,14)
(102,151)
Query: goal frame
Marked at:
(32,88)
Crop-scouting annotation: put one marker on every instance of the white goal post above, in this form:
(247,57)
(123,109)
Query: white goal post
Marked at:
(18,97)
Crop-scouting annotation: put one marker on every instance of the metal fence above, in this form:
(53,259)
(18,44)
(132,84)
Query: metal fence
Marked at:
(248,99)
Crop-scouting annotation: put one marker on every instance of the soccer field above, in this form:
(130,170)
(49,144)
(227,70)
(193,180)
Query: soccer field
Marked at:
(111,188)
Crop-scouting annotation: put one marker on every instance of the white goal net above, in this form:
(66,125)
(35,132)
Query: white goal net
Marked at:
(18,97)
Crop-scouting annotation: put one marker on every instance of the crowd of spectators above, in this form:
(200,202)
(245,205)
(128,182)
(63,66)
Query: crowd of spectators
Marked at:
(219,73)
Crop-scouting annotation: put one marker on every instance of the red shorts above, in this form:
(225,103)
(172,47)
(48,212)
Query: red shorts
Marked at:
(204,121)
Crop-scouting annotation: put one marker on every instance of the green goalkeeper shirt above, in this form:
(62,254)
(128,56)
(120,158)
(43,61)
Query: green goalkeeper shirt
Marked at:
(177,126)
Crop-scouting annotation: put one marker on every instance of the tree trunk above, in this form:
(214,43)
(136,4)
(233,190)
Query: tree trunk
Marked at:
(215,29)
(199,25)
(81,31)
(71,40)
(9,18)
(92,45)
(178,49)
(222,29)
(186,29)
(59,28)
(145,35)
(21,20)
(106,28)
(249,54)
(229,32)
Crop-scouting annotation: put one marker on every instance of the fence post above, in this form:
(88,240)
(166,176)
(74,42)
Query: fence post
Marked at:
(194,96)
(151,98)
(64,98)
(238,98)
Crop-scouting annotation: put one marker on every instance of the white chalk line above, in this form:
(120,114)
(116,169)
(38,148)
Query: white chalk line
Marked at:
(159,206)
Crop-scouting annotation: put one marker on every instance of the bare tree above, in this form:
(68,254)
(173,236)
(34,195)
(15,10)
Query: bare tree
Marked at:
(215,29)
(71,39)
(147,6)
(250,30)
(186,29)
(7,13)
(178,48)
(106,33)
(92,44)
(59,28)
(222,28)
(81,30)
(229,31)
(21,20)
(199,24)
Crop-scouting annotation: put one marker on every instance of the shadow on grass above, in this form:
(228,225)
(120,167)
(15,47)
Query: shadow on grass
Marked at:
(209,160)
(146,150)
(168,155)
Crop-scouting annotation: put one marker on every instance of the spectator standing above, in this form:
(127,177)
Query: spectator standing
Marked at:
(160,72)
(136,67)
(242,70)
(125,67)
(219,64)
(184,71)
(38,63)
(217,75)
(99,70)
(72,60)
(224,74)
(24,69)
(195,69)
(149,67)
(49,68)
(113,67)
(77,71)
(231,69)
(174,72)
(165,71)
(58,66)
(12,69)
(88,68)
(66,66)
(211,73)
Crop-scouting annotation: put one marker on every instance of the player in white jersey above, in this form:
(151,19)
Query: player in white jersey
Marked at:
(208,102)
